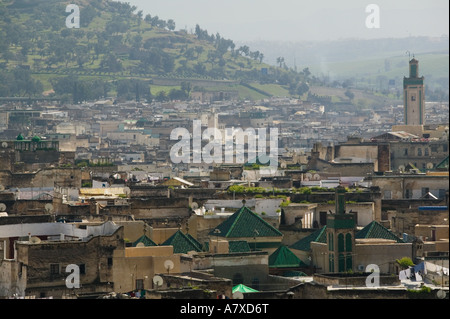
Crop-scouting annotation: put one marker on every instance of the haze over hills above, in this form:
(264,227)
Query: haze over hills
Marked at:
(368,59)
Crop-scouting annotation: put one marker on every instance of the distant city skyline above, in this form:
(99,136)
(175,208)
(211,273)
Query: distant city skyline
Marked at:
(295,21)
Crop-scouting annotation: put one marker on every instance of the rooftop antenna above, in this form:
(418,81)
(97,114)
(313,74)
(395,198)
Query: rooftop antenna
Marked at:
(409,54)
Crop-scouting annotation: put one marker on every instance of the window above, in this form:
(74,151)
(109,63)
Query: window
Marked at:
(139,284)
(110,261)
(54,269)
(340,242)
(348,242)
(405,152)
(413,97)
(408,193)
(427,152)
(441,193)
(419,152)
(341,263)
(425,190)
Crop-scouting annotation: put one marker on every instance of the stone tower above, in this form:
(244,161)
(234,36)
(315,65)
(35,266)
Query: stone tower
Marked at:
(414,96)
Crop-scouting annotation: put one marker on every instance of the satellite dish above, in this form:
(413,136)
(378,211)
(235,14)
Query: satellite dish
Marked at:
(157,280)
(2,207)
(238,295)
(140,245)
(4,145)
(49,207)
(194,205)
(35,240)
(168,264)
(441,294)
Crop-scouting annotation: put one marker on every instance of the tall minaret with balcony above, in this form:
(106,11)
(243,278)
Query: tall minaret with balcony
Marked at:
(414,95)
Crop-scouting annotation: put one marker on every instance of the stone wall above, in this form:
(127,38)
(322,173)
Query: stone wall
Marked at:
(93,254)
(145,208)
(46,177)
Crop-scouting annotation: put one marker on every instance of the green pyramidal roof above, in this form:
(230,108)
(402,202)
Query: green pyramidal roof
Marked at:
(182,243)
(238,246)
(245,223)
(144,240)
(376,230)
(305,243)
(284,257)
(243,288)
(443,164)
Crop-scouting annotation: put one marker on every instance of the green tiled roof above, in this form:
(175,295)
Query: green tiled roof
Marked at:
(245,223)
(376,230)
(284,257)
(195,242)
(294,273)
(238,246)
(443,164)
(145,240)
(182,243)
(305,243)
(243,288)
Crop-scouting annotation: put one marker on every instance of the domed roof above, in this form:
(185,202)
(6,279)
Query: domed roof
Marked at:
(36,139)
(20,137)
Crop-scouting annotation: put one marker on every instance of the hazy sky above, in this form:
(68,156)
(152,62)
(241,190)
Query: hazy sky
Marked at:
(299,20)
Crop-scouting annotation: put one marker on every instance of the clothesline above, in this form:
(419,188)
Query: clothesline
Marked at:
(421,269)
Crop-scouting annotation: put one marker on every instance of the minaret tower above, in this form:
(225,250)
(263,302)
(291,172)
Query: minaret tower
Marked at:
(340,236)
(414,95)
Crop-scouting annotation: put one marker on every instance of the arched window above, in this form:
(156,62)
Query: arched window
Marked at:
(340,242)
(331,262)
(419,152)
(348,242)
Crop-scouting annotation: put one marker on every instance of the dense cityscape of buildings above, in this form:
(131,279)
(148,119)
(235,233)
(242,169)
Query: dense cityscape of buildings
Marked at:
(93,185)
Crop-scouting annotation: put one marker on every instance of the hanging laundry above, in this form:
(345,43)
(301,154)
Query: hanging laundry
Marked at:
(418,276)
(419,271)
(402,275)
(405,274)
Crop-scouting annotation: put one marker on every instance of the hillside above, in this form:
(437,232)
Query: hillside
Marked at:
(118,51)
